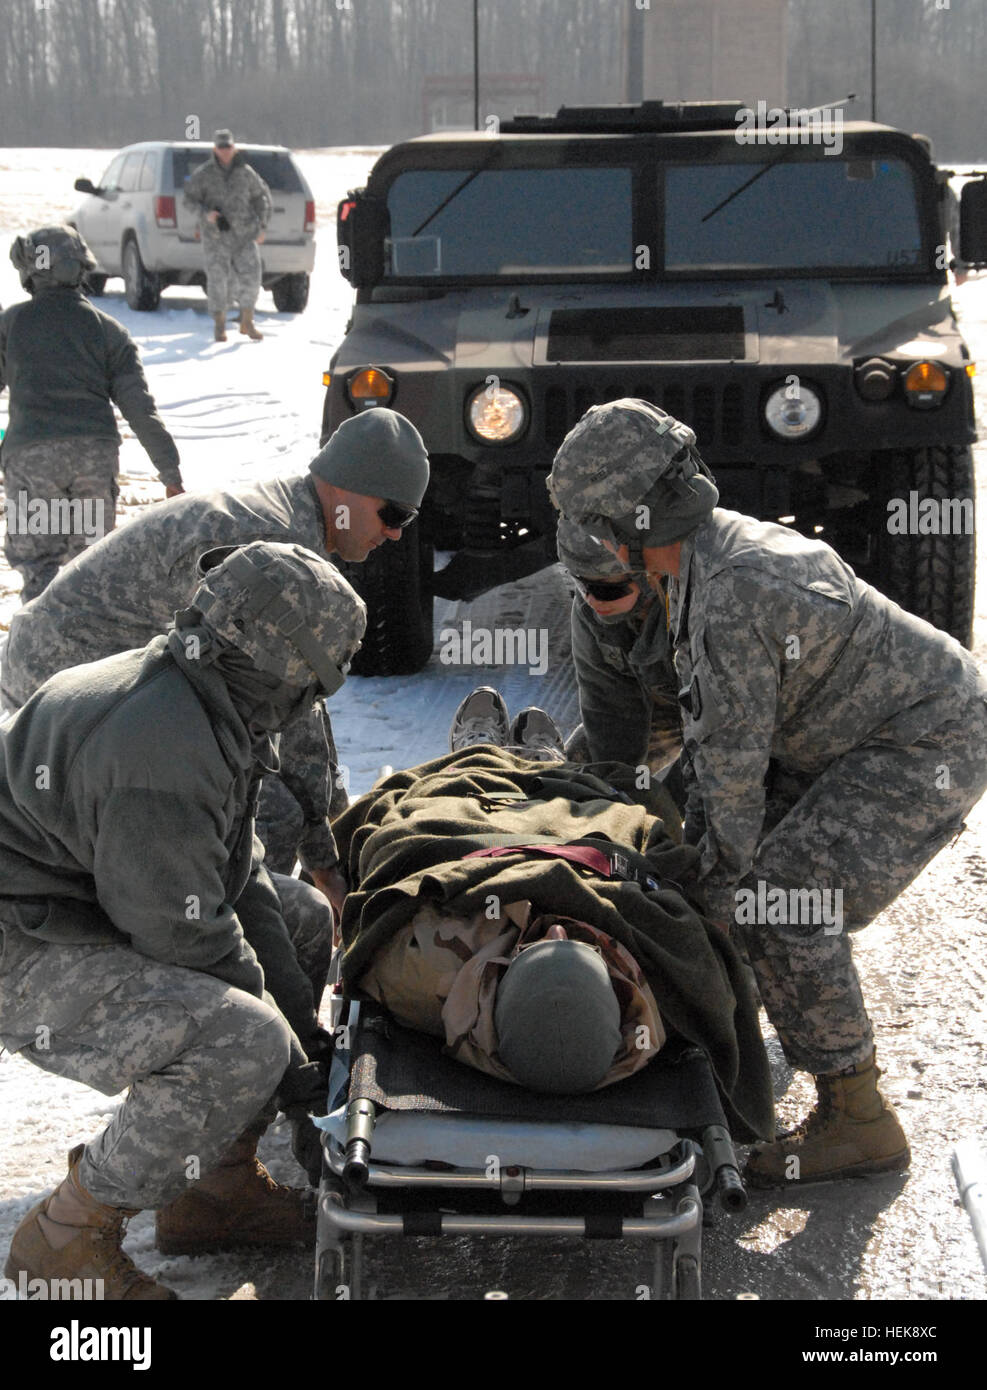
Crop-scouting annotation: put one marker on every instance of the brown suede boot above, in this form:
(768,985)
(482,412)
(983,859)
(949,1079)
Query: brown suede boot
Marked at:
(248,326)
(219,328)
(71,1236)
(852,1132)
(238,1203)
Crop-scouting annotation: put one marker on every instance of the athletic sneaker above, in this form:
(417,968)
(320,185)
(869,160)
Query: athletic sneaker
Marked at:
(536,732)
(481,718)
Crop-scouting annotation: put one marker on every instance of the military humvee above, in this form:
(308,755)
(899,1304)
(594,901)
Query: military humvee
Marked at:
(782,287)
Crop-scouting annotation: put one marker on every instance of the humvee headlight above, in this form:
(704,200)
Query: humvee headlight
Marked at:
(496,414)
(370,387)
(793,410)
(925,385)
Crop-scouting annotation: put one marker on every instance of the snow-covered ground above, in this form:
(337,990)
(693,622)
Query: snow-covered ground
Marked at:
(243,410)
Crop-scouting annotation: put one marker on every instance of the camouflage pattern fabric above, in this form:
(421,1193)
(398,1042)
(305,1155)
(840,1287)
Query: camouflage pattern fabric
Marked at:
(232,257)
(287,609)
(66,489)
(125,591)
(440,975)
(234,271)
(583,555)
(200,1057)
(790,666)
(613,456)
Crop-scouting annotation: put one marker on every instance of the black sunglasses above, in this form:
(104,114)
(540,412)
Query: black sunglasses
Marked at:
(396,517)
(605,591)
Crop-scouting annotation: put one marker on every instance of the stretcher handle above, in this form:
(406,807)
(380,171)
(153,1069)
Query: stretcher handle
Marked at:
(360,1118)
(722,1161)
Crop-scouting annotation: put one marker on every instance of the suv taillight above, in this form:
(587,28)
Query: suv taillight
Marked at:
(310,215)
(164,212)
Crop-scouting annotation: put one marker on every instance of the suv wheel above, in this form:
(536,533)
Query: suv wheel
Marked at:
(290,297)
(931,575)
(141,289)
(395,583)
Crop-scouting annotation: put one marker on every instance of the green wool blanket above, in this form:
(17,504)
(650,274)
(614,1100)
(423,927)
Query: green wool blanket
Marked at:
(403,844)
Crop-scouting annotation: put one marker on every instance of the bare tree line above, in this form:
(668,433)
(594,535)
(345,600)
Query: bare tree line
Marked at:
(319,72)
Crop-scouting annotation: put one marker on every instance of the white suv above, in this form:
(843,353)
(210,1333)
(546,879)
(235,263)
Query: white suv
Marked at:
(136,226)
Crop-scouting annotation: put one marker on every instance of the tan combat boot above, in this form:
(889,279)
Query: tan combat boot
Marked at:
(248,326)
(852,1132)
(219,328)
(71,1236)
(238,1203)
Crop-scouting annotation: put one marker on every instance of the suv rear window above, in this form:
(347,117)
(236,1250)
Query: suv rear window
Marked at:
(275,168)
(511,221)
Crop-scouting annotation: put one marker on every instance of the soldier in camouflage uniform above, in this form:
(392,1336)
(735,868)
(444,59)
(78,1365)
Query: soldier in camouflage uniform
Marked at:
(66,363)
(126,589)
(835,744)
(234,206)
(623,663)
(126,837)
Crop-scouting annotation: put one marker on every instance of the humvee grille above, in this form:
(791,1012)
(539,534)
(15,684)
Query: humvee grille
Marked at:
(716,411)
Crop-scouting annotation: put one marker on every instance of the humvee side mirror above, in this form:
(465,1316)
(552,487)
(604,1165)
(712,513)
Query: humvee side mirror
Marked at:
(973,222)
(362,223)
(85,186)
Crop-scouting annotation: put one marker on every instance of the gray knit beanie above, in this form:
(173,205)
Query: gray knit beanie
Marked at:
(557,1018)
(377,453)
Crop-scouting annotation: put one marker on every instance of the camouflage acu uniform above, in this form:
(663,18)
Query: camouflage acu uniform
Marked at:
(232,257)
(67,364)
(124,591)
(65,476)
(835,742)
(137,959)
(624,672)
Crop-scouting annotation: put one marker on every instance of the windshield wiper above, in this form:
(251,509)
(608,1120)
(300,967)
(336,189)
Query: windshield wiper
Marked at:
(773,164)
(497,149)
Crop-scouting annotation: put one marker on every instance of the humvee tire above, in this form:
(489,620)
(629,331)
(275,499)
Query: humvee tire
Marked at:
(395,583)
(930,575)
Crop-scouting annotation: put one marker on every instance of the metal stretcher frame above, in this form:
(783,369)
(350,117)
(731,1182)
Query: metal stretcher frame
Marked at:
(671,1212)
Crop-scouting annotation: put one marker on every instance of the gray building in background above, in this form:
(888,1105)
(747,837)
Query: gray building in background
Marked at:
(694,50)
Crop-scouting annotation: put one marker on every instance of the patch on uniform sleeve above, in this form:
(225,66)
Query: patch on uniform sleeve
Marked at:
(702,708)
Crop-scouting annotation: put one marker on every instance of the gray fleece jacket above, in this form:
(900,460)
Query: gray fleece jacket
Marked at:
(126,792)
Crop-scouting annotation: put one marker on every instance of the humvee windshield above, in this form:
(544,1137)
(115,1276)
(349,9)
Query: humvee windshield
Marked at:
(509,221)
(816,215)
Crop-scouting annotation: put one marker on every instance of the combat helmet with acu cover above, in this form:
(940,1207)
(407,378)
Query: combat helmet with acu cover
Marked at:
(55,255)
(629,471)
(291,612)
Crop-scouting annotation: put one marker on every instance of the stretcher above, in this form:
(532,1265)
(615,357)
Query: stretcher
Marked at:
(417,1144)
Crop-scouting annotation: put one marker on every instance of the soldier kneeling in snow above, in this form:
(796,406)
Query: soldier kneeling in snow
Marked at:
(127,793)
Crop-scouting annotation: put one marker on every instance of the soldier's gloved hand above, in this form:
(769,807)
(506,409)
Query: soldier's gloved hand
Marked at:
(306,1085)
(304,1092)
(174,492)
(306,1143)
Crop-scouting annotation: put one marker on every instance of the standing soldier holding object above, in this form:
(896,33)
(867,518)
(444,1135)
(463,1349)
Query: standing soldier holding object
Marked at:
(67,363)
(834,744)
(234,206)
